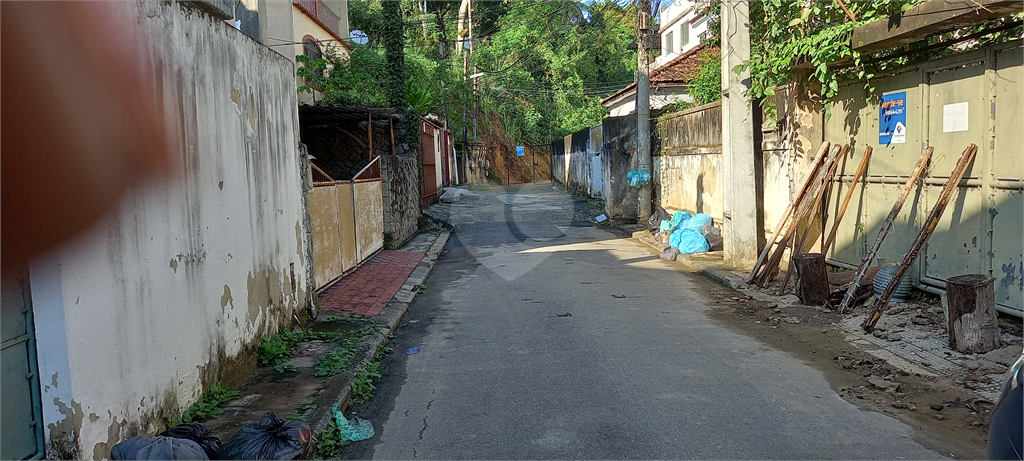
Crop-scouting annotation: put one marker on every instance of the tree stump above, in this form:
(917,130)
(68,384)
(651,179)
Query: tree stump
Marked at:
(812,281)
(971,315)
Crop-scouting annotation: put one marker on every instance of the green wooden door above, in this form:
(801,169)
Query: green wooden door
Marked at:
(21,425)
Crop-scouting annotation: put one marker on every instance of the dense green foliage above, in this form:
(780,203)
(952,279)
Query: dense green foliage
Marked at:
(542,66)
(549,63)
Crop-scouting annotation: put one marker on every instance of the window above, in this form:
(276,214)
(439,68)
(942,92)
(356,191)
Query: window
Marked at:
(684,35)
(668,43)
(311,49)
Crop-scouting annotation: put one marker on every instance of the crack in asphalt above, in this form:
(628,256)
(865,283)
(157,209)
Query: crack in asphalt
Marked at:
(422,430)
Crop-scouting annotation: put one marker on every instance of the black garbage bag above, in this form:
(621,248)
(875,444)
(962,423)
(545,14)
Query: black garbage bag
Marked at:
(157,448)
(657,216)
(271,438)
(197,433)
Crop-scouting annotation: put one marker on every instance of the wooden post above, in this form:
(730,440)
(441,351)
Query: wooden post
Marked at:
(972,323)
(922,237)
(812,281)
(887,225)
(391,125)
(819,156)
(846,200)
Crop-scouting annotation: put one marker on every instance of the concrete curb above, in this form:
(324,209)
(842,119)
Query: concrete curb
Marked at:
(339,389)
(706,264)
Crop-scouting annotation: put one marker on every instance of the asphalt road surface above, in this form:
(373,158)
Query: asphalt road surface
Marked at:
(541,336)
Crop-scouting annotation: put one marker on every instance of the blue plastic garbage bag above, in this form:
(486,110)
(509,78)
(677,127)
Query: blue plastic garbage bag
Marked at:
(666,225)
(697,221)
(157,448)
(692,241)
(638,178)
(354,430)
(271,438)
(678,218)
(675,237)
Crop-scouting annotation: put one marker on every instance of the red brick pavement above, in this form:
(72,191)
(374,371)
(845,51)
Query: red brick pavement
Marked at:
(367,290)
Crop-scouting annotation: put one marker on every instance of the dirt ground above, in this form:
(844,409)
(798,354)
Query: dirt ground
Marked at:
(946,409)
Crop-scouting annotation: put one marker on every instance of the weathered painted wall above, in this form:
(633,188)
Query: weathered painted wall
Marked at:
(578,175)
(980,229)
(558,162)
(596,165)
(401,196)
(689,173)
(173,290)
(618,147)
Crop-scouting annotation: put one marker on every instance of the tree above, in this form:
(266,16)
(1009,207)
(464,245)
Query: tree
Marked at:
(548,64)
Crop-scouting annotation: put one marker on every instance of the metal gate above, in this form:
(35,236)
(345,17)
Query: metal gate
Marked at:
(21,426)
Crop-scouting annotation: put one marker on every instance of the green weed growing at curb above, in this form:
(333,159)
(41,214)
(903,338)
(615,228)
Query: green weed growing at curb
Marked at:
(328,441)
(300,410)
(277,349)
(334,362)
(362,387)
(209,405)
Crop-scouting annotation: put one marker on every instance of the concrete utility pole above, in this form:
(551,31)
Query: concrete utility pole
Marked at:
(741,230)
(643,107)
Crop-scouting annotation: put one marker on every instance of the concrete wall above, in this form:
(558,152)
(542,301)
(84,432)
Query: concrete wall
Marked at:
(559,167)
(596,163)
(172,292)
(689,176)
(618,147)
(401,196)
(980,229)
(578,175)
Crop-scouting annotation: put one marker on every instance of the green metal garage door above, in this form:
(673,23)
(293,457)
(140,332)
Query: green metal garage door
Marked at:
(21,431)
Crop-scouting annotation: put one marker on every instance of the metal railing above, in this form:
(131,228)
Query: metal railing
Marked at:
(319,12)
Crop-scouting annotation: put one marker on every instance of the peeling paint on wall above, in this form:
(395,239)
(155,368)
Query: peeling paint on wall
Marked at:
(226,299)
(118,271)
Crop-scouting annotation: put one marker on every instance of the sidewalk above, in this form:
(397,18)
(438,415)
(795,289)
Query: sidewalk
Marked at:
(377,295)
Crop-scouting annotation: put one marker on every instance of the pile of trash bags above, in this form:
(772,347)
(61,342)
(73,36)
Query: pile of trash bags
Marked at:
(685,233)
(271,438)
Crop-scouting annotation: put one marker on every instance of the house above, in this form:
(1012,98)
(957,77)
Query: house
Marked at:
(292,27)
(683,27)
(668,84)
(126,325)
(683,33)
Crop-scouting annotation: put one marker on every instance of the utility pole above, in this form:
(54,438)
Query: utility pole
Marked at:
(741,200)
(643,107)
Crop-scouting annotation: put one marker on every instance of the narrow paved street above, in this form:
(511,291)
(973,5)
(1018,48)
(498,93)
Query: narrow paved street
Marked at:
(540,336)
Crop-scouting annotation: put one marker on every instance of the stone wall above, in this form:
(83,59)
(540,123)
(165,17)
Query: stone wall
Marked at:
(401,193)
